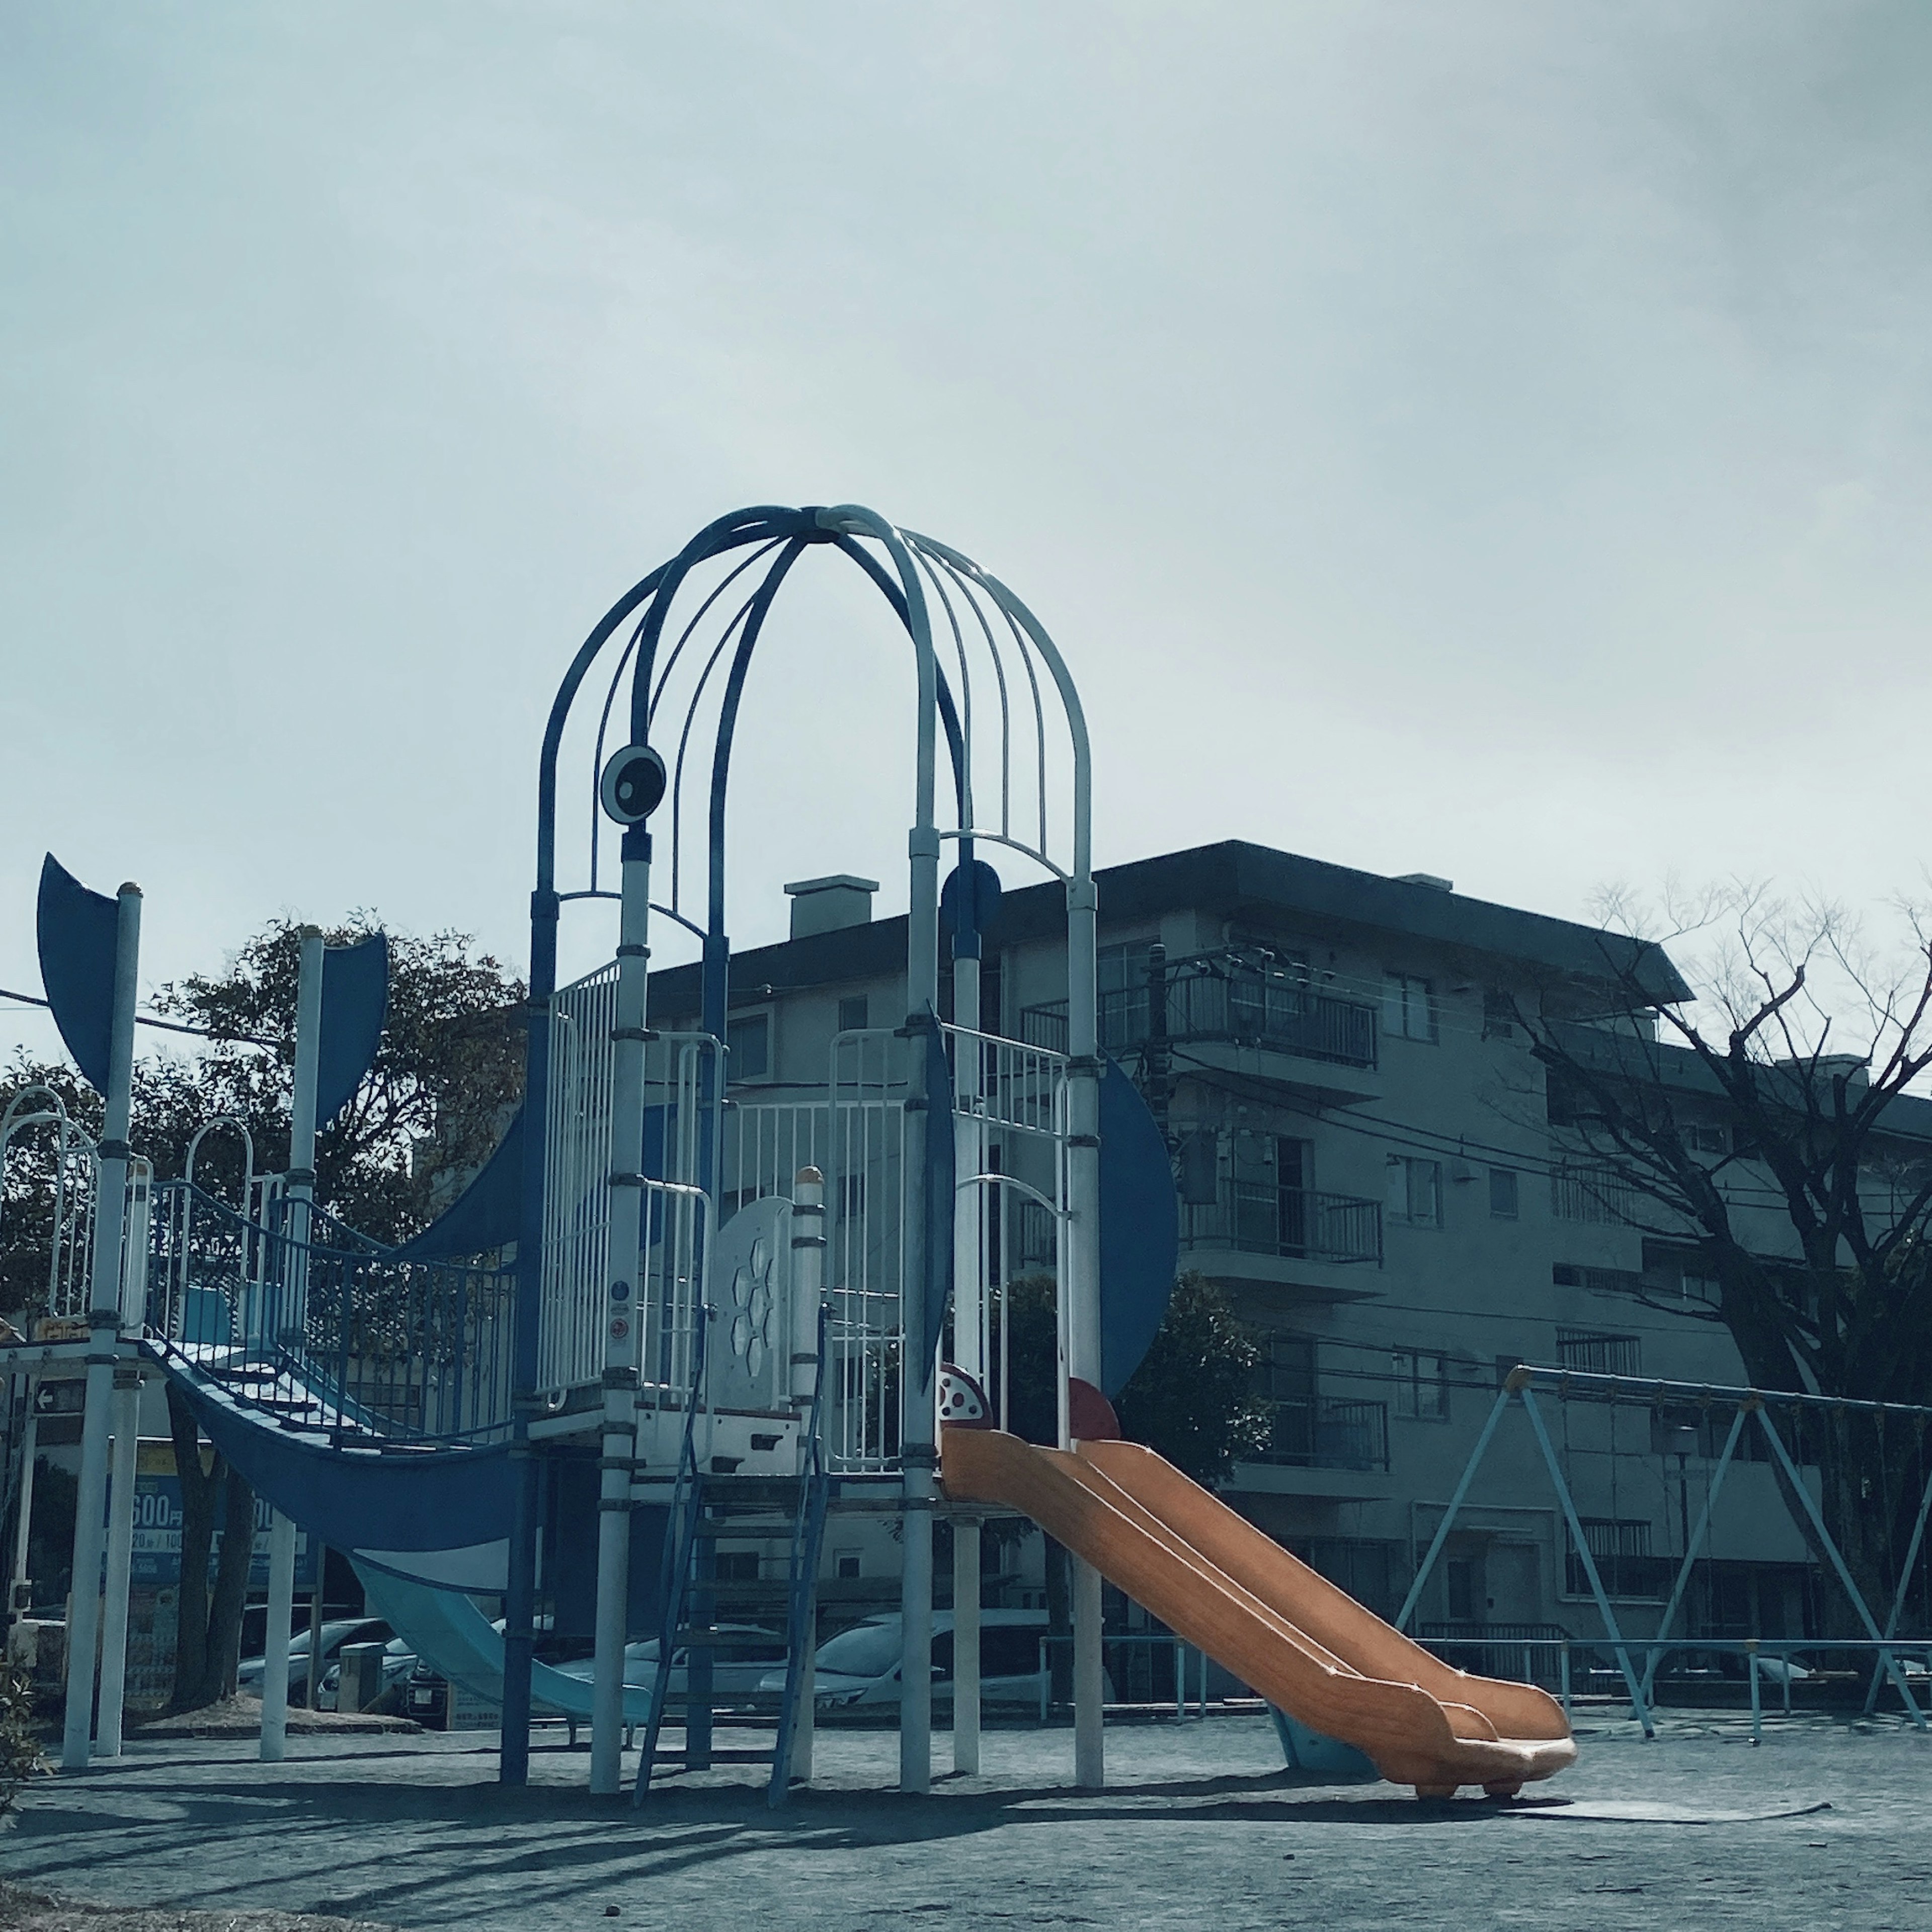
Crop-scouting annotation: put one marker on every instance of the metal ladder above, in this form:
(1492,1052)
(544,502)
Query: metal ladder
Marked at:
(698,1517)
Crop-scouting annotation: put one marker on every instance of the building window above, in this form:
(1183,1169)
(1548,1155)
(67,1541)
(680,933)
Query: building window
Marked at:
(749,1038)
(1408,1011)
(854,1011)
(1415,1191)
(845,1564)
(1592,1353)
(1502,1193)
(1706,1140)
(1498,1014)
(1421,1386)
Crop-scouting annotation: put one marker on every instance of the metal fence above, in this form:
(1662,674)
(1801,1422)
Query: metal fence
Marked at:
(1327,1433)
(328,1337)
(1260,1217)
(1229,995)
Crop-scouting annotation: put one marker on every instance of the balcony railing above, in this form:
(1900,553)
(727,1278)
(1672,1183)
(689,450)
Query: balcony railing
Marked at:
(1321,1433)
(1258,1218)
(1226,996)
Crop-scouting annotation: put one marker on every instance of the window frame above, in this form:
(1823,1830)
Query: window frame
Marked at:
(1399,997)
(1513,1212)
(1412,1381)
(769,1071)
(1405,1166)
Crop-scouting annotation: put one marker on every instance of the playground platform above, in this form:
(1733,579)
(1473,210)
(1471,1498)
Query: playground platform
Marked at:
(1822,1826)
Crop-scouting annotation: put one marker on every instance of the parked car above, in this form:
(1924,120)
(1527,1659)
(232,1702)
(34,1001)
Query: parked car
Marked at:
(425,1693)
(251,1672)
(738,1668)
(860,1666)
(399,1658)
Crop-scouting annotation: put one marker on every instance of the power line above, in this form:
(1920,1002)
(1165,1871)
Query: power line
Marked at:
(148,1020)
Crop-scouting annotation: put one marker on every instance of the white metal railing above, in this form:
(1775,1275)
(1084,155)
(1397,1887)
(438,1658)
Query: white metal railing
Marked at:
(1018,1086)
(864,1259)
(577,1182)
(680,1232)
(69,1228)
(683,1077)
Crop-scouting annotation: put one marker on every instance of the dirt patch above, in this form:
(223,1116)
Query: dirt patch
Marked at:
(242,1717)
(22,1910)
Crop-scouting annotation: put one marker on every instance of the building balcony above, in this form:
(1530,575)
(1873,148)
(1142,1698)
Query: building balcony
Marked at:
(1257,1218)
(1242,1012)
(1327,1433)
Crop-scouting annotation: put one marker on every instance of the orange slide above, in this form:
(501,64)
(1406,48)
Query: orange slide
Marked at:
(1309,1648)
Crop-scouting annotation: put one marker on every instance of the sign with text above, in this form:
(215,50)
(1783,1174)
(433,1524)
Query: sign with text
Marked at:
(158,1528)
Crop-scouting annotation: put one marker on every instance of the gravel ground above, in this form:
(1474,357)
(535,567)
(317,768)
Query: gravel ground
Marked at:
(22,1910)
(1824,1826)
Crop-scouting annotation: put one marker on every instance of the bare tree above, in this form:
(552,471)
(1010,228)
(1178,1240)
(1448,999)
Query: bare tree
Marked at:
(1807,1207)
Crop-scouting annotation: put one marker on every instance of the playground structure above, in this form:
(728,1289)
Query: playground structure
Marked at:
(739,1303)
(1748,1418)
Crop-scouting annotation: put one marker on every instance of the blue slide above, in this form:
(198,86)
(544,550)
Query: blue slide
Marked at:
(460,1641)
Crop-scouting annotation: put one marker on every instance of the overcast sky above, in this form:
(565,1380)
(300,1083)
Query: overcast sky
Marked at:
(1489,439)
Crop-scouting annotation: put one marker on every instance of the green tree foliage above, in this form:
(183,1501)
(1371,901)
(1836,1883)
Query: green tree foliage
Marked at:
(447,1076)
(19,1750)
(1192,1400)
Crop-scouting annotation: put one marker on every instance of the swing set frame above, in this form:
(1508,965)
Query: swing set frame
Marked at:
(1520,1387)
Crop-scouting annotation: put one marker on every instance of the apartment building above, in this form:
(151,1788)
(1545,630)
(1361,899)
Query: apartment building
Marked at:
(1365,1157)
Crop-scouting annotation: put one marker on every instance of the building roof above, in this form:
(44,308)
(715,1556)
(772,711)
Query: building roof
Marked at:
(1680,1069)
(1236,880)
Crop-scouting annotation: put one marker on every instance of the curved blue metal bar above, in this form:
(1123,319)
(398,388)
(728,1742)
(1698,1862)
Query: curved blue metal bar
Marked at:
(716,954)
(727,533)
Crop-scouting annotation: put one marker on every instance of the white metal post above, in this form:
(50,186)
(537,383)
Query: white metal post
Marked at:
(120,1560)
(808,1289)
(807,1286)
(104,1319)
(626,1315)
(919,1420)
(30,1444)
(969,1337)
(291,1330)
(275,1643)
(1080,1285)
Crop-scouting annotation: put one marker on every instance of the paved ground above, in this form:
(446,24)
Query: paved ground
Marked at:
(1827,1824)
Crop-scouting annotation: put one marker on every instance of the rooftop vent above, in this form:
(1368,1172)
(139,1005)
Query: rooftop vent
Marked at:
(827,904)
(1428,879)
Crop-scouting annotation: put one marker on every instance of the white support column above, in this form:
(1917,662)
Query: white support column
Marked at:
(120,1560)
(30,1444)
(969,1343)
(103,1318)
(966,1644)
(1080,1285)
(918,1421)
(808,1290)
(280,1630)
(290,1327)
(625,1316)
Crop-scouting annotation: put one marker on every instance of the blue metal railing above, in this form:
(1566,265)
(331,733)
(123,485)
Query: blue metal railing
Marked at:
(328,1336)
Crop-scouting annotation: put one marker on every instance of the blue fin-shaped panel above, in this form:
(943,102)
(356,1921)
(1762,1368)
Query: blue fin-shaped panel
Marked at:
(355,1003)
(78,932)
(1140,1228)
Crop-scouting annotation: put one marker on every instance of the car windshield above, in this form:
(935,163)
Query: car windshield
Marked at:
(870,1650)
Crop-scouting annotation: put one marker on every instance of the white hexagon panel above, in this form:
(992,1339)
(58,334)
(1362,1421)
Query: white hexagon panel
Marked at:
(751,1281)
